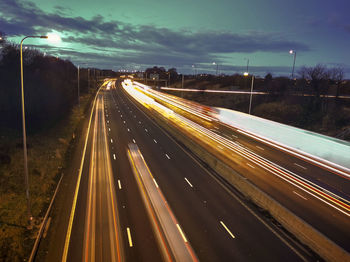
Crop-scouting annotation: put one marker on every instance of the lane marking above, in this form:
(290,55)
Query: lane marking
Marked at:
(260,147)
(300,166)
(155,182)
(134,141)
(220,147)
(107,121)
(155,141)
(72,213)
(146,130)
(128,130)
(111,140)
(109,129)
(167,156)
(114,157)
(140,122)
(235,136)
(182,234)
(251,165)
(119,184)
(300,195)
(129,236)
(124,121)
(188,182)
(228,231)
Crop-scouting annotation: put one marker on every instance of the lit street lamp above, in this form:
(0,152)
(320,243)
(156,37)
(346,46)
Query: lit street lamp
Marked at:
(251,91)
(50,37)
(295,55)
(217,66)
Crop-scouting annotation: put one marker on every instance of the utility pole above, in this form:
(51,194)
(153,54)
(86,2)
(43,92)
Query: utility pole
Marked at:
(251,94)
(78,85)
(88,78)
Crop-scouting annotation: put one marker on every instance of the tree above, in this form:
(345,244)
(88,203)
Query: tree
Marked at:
(336,75)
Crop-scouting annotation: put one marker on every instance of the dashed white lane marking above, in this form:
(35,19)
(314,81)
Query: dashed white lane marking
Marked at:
(107,121)
(106,115)
(128,130)
(155,182)
(119,184)
(134,141)
(182,234)
(235,136)
(300,195)
(155,141)
(300,166)
(188,182)
(228,231)
(250,165)
(167,156)
(109,129)
(124,122)
(129,236)
(260,147)
(146,130)
(140,122)
(121,115)
(111,140)
(114,157)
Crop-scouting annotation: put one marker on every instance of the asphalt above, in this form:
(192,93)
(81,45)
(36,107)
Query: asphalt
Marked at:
(110,221)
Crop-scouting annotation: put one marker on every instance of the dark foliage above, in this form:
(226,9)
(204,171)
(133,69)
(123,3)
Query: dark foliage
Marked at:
(50,86)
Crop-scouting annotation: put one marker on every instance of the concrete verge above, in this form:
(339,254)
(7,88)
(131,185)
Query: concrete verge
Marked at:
(308,235)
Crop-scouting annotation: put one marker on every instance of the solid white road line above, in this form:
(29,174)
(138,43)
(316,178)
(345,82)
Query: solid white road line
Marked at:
(228,231)
(188,182)
(129,236)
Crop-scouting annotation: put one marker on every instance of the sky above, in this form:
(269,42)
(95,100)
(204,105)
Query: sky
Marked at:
(136,34)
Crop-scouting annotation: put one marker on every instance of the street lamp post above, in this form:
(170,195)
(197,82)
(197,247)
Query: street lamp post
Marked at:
(78,85)
(251,91)
(217,67)
(295,55)
(26,177)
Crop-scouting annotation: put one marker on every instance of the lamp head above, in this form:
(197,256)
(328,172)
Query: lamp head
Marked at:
(246,74)
(291,51)
(53,38)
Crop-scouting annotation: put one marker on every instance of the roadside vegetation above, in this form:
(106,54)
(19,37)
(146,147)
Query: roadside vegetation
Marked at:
(318,100)
(54,120)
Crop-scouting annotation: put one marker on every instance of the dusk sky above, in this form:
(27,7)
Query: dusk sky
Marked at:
(136,34)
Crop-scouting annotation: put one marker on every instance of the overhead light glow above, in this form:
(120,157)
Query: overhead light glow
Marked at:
(53,38)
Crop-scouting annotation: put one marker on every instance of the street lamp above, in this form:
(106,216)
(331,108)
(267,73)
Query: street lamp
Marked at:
(247,70)
(53,38)
(195,70)
(251,91)
(295,55)
(217,66)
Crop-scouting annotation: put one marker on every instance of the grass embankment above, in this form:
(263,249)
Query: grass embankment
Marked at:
(48,154)
(333,119)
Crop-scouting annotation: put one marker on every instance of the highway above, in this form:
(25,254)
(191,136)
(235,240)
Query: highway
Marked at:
(141,197)
(318,195)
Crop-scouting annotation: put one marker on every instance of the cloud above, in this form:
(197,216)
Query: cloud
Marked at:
(135,43)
